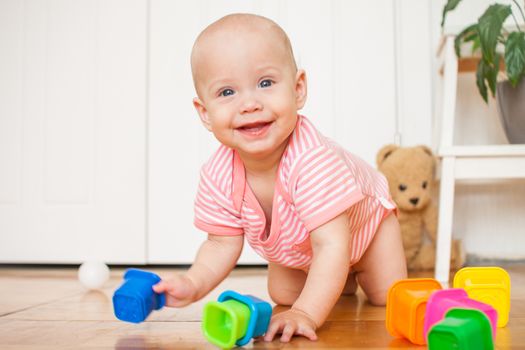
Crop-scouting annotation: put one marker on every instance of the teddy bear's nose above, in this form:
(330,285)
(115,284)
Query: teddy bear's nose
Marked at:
(414,200)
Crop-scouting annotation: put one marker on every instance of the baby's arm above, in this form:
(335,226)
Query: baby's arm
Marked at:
(324,284)
(215,259)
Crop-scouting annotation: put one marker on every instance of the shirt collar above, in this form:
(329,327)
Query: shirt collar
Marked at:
(239,181)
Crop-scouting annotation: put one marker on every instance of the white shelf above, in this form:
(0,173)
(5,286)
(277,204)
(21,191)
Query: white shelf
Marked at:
(482,151)
(465,162)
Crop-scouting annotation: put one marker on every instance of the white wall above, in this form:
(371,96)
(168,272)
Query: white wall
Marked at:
(99,142)
(347,73)
(396,80)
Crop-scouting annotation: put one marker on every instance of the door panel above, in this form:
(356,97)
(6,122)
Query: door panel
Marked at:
(72,125)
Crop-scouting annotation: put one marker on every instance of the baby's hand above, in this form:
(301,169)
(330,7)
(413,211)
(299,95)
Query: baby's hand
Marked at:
(180,291)
(290,323)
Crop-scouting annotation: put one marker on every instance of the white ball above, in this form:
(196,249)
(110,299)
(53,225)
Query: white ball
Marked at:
(93,274)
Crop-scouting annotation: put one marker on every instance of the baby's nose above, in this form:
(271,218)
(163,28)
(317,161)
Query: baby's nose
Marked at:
(250,104)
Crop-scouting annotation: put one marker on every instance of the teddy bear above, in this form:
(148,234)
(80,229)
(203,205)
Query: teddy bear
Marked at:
(410,174)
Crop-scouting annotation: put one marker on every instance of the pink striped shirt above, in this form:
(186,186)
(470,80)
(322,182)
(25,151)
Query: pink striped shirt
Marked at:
(317,180)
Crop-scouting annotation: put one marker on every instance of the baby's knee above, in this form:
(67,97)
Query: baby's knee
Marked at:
(282,296)
(377,298)
(285,284)
(377,293)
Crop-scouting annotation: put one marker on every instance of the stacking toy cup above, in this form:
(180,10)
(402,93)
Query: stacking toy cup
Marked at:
(443,300)
(465,329)
(134,300)
(490,285)
(234,319)
(406,306)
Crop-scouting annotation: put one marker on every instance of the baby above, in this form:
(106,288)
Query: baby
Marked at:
(320,216)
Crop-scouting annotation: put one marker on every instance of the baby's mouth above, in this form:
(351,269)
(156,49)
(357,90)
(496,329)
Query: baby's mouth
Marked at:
(254,128)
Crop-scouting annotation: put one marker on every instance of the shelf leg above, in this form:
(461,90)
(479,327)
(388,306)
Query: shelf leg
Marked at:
(446,210)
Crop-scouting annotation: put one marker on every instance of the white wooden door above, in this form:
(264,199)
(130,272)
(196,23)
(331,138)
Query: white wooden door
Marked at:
(72,130)
(347,49)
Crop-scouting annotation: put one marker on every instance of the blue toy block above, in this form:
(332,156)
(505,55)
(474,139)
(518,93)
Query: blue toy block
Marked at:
(134,300)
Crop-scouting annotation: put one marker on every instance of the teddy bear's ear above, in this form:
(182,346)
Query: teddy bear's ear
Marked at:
(427,150)
(384,153)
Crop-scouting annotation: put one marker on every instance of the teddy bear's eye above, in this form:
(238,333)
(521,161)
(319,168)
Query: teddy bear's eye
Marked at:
(402,187)
(424,184)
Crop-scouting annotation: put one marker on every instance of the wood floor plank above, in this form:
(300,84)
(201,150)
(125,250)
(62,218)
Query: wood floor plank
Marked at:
(21,290)
(48,309)
(84,305)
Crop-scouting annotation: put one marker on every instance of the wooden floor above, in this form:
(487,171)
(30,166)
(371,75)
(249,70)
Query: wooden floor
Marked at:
(48,309)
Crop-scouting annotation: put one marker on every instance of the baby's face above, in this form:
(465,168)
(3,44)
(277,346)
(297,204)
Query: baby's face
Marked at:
(249,90)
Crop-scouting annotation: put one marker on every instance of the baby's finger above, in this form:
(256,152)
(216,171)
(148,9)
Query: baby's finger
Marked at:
(258,339)
(307,332)
(275,326)
(288,332)
(160,287)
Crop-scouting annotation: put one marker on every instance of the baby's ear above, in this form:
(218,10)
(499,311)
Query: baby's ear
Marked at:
(384,153)
(301,90)
(203,112)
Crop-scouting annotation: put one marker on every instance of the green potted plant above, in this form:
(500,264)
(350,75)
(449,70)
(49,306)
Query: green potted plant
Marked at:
(496,43)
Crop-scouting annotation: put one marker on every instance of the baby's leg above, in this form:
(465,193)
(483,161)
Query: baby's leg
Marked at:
(350,285)
(285,284)
(383,262)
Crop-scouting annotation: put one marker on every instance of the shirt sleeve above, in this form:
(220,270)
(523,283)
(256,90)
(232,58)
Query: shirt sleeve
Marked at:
(322,186)
(214,211)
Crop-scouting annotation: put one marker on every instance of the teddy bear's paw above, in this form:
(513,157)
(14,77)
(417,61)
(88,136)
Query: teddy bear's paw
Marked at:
(458,255)
(424,260)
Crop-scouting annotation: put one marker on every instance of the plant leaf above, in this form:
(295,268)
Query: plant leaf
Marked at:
(515,57)
(450,5)
(487,74)
(465,35)
(471,37)
(489,29)
(491,74)
(480,80)
(475,45)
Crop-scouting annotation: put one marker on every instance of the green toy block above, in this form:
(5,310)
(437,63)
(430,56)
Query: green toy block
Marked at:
(225,322)
(462,329)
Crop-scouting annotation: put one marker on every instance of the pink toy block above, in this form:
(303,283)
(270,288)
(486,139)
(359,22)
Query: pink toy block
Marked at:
(443,300)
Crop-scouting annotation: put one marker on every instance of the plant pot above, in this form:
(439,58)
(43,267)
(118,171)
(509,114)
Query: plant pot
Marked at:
(511,106)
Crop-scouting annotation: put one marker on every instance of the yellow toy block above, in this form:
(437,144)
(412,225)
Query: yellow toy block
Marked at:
(490,285)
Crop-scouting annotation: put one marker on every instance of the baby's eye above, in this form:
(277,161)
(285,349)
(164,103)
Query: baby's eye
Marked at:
(226,92)
(266,83)
(424,185)
(402,187)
